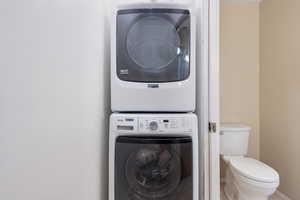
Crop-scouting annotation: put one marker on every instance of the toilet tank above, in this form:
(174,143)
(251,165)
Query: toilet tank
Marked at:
(234,139)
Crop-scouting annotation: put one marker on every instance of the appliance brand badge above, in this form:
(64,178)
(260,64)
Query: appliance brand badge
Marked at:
(124,71)
(152,85)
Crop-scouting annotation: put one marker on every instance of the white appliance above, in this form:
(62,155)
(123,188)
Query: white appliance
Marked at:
(153,156)
(153,58)
(246,178)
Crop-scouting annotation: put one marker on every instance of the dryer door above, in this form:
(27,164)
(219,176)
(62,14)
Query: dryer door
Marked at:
(153,45)
(148,168)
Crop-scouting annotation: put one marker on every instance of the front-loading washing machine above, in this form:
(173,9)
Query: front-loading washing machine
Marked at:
(153,157)
(153,59)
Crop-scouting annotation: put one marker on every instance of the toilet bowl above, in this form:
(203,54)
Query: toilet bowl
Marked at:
(249,179)
(246,178)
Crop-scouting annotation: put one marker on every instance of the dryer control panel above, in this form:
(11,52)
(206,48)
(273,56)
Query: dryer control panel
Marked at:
(150,125)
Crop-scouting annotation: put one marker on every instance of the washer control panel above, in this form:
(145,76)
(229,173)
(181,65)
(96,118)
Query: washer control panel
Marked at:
(152,125)
(164,125)
(126,124)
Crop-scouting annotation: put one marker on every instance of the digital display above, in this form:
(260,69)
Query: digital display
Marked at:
(125,128)
(129,119)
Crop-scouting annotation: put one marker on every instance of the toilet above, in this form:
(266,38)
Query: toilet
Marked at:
(246,178)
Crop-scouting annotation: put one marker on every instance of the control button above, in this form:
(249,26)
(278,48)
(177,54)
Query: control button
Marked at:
(153,126)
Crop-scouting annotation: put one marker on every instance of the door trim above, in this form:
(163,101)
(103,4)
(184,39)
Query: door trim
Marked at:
(214,104)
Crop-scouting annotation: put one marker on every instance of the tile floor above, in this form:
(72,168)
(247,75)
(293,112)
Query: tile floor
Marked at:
(273,197)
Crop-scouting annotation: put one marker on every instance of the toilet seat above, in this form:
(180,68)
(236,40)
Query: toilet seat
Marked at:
(254,171)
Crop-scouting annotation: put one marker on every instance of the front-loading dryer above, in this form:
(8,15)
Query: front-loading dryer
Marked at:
(153,59)
(153,156)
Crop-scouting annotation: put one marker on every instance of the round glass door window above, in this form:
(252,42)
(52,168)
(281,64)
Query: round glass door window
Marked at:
(153,45)
(153,172)
(149,168)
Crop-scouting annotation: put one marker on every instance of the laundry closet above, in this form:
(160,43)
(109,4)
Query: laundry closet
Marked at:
(163,130)
(119,99)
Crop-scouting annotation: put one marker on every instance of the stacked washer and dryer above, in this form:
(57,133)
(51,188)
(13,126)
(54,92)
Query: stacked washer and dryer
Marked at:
(153,141)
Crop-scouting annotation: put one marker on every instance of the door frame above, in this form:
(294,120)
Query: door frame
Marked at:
(214,97)
(208,96)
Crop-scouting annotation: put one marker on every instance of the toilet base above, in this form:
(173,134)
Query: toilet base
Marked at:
(230,189)
(230,193)
(237,190)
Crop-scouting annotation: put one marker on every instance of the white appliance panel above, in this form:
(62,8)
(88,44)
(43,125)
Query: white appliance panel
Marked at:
(152,96)
(136,134)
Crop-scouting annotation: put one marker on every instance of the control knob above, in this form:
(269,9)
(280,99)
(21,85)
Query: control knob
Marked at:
(153,126)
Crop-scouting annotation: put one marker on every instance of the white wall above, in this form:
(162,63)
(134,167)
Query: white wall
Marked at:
(239,70)
(54,99)
(53,142)
(280,91)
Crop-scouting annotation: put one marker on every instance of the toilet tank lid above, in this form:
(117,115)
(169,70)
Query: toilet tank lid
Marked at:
(254,170)
(234,127)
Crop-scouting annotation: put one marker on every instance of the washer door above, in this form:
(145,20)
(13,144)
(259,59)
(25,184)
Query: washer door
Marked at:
(153,45)
(153,168)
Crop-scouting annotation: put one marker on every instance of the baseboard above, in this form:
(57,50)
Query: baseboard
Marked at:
(281,195)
